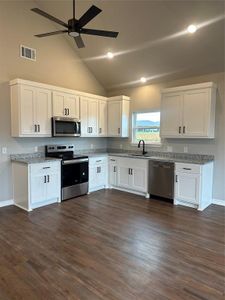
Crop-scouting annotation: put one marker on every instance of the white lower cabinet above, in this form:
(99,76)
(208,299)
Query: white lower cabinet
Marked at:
(193,185)
(36,185)
(98,173)
(129,174)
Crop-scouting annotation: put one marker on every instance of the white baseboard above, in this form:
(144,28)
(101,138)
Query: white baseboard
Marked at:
(6,203)
(218,202)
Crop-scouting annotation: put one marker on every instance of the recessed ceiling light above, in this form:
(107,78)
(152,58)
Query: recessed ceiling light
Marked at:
(143,79)
(192,28)
(110,55)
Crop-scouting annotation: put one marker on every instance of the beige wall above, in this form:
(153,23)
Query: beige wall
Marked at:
(57,63)
(147,98)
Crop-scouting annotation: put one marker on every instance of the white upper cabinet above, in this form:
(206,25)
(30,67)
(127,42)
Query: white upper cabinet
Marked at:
(89,116)
(30,111)
(102,118)
(65,105)
(118,116)
(171,114)
(188,111)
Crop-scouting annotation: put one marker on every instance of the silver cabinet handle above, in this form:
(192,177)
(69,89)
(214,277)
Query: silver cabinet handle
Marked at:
(184,129)
(88,129)
(45,179)
(188,169)
(131,171)
(91,130)
(180,129)
(98,169)
(46,168)
(98,160)
(65,112)
(112,159)
(118,130)
(35,128)
(114,169)
(100,130)
(68,111)
(48,178)
(39,128)
(176,178)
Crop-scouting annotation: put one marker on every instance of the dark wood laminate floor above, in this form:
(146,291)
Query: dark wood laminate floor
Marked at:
(112,245)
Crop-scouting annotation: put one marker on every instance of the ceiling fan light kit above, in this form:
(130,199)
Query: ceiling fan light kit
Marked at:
(75,28)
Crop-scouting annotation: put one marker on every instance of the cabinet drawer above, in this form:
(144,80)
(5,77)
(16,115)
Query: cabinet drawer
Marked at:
(44,168)
(97,160)
(188,168)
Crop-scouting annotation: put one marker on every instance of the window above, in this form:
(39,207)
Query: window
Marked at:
(146,126)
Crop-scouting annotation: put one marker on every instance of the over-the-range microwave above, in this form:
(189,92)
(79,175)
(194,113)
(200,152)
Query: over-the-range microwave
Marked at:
(65,127)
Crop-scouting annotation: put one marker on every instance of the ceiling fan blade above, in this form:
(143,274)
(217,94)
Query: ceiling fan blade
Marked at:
(105,33)
(46,15)
(79,41)
(92,12)
(51,33)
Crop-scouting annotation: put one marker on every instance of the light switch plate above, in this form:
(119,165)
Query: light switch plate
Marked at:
(185,149)
(4,150)
(35,149)
(92,146)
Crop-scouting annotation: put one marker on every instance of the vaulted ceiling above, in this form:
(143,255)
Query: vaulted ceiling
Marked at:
(152,40)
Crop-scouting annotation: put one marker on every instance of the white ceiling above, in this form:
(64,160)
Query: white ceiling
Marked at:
(150,41)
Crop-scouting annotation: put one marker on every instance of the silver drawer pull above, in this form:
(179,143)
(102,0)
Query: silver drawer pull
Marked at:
(188,169)
(46,168)
(112,159)
(98,160)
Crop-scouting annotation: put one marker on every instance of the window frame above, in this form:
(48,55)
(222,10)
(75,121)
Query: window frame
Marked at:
(133,129)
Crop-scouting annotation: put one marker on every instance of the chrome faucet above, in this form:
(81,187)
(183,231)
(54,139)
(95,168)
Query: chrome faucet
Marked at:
(139,145)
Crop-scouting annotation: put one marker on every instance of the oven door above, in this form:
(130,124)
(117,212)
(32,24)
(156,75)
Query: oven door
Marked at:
(65,127)
(74,178)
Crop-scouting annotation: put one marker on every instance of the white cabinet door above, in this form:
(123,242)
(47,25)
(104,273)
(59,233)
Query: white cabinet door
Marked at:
(52,186)
(171,115)
(114,118)
(124,176)
(43,111)
(71,106)
(112,172)
(92,177)
(27,109)
(89,116)
(187,187)
(196,113)
(139,179)
(38,188)
(84,117)
(93,117)
(58,104)
(102,118)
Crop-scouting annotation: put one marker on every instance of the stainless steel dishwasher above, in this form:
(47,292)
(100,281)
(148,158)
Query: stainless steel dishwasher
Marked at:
(161,179)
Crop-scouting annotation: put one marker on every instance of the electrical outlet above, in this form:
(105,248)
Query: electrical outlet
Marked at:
(92,146)
(4,150)
(185,149)
(35,149)
(169,149)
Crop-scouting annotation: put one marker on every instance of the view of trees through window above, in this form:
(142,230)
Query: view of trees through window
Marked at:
(146,126)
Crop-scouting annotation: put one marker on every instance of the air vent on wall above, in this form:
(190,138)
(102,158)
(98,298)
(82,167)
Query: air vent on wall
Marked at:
(28,53)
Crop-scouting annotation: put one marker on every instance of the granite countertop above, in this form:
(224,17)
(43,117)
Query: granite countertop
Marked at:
(32,158)
(192,159)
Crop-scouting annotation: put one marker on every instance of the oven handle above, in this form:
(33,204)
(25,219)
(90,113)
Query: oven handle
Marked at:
(74,161)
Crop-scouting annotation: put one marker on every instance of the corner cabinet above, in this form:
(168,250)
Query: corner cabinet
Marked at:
(30,110)
(129,174)
(118,116)
(188,111)
(36,185)
(193,185)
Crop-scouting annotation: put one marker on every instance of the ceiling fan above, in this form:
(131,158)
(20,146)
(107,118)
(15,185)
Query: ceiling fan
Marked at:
(75,27)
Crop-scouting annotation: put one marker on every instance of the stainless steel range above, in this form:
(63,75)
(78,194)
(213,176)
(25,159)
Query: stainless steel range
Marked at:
(74,170)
